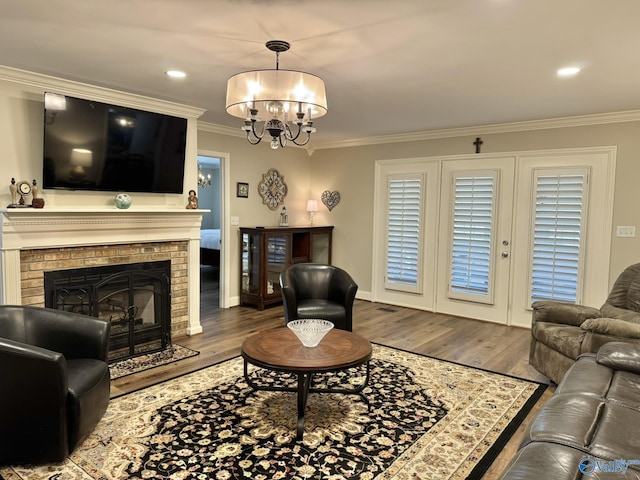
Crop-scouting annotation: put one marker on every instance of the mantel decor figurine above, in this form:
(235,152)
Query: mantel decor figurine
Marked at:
(284,217)
(24,190)
(192,203)
(122,201)
(36,201)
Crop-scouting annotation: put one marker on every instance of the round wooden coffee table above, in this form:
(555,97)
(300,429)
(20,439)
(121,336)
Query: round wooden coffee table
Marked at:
(280,350)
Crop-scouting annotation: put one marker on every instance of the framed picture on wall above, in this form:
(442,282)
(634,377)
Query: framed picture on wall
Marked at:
(242,190)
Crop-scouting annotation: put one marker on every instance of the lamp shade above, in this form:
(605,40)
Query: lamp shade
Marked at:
(276,92)
(312,205)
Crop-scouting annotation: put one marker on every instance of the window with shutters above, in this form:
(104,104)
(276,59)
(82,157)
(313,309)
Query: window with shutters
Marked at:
(472,232)
(558,228)
(404,232)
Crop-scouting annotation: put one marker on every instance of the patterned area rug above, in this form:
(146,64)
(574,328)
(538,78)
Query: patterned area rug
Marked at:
(150,360)
(427,419)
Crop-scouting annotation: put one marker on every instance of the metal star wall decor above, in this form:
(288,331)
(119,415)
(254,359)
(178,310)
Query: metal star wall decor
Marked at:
(272,189)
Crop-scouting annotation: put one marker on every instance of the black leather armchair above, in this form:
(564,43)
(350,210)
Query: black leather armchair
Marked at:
(312,290)
(54,380)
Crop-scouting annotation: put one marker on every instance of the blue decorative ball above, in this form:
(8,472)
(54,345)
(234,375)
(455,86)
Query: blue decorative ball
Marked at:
(122,200)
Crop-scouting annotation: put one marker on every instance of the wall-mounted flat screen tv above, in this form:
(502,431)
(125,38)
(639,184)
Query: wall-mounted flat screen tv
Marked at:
(90,145)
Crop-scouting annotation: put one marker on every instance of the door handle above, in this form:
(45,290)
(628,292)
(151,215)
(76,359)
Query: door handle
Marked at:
(505,254)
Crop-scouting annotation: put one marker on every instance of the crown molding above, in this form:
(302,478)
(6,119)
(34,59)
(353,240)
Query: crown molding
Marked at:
(99,94)
(562,122)
(221,129)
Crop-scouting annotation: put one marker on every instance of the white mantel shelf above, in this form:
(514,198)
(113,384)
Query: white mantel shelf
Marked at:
(31,228)
(23,228)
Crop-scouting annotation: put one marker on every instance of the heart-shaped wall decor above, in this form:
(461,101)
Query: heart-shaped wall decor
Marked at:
(330,199)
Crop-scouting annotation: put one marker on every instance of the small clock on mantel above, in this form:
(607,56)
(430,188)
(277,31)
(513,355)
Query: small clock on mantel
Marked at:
(21,189)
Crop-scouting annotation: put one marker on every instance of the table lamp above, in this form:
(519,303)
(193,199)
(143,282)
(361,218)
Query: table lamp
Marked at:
(312,207)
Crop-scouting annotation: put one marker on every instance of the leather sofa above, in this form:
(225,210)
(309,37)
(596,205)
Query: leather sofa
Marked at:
(313,290)
(589,427)
(54,380)
(561,332)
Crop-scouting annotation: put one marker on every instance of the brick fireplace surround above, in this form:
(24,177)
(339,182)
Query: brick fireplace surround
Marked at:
(33,241)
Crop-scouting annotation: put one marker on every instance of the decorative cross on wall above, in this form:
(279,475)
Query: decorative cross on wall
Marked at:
(478,143)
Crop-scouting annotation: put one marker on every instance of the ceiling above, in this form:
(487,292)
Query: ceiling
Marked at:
(390,67)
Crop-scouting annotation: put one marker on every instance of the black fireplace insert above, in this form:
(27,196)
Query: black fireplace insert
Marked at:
(135,298)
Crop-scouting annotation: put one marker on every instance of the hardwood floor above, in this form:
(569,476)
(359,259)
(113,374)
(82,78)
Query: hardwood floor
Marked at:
(471,342)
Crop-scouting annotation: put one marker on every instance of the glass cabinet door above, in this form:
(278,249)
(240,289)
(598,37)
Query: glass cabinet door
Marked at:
(277,254)
(250,263)
(321,247)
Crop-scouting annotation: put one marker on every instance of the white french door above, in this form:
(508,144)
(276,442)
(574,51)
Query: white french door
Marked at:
(562,237)
(497,233)
(475,238)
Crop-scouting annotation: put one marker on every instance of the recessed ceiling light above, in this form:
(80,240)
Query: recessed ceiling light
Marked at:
(568,71)
(176,74)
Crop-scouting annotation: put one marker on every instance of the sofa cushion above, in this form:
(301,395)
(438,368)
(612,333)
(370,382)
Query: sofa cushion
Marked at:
(625,314)
(570,420)
(625,390)
(321,308)
(562,338)
(616,434)
(545,461)
(586,377)
(542,461)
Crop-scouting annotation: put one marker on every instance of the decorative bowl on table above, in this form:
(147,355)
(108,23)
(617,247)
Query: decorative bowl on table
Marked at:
(310,331)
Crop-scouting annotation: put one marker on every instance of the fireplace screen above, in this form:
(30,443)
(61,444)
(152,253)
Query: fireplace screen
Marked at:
(133,297)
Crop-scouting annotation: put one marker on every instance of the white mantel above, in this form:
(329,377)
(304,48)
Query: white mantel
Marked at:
(30,228)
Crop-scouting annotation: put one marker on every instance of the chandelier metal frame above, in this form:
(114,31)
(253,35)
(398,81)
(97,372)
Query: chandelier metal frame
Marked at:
(276,93)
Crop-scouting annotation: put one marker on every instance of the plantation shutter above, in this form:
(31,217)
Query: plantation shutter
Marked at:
(404,233)
(472,234)
(558,232)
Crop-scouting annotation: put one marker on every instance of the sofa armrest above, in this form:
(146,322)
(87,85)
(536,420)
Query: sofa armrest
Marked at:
(343,289)
(612,326)
(33,404)
(565,313)
(289,302)
(620,356)
(36,378)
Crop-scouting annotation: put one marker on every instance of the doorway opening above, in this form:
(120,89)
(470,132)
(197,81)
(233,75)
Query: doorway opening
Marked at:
(210,198)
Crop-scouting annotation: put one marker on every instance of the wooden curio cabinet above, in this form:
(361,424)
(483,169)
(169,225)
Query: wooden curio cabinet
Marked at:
(265,252)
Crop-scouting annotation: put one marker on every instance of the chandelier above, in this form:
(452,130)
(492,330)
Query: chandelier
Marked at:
(287,101)
(204,181)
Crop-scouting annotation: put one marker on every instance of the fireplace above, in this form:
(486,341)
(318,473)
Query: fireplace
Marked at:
(135,298)
(35,241)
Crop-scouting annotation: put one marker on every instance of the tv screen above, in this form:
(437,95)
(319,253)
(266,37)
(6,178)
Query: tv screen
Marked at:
(90,145)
